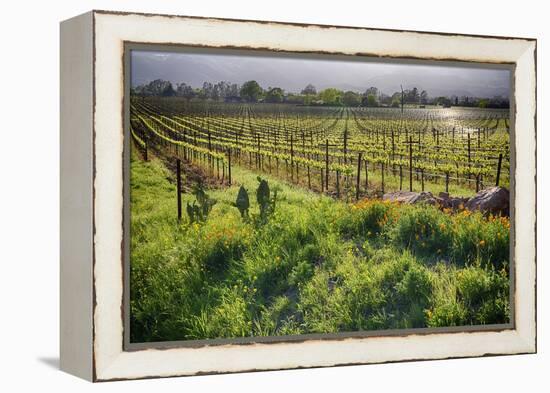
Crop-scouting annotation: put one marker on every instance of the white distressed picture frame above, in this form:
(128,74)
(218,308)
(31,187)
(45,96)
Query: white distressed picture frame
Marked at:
(92,162)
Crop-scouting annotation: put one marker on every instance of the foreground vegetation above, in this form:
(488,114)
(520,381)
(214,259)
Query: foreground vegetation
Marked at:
(314,265)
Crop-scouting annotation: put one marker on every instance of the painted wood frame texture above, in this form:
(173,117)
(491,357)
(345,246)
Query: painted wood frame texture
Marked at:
(92,163)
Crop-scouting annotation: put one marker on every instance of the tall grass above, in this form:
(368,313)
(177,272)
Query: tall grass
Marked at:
(315,266)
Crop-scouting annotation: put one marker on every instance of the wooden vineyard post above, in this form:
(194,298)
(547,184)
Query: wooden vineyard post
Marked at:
(184,147)
(382,177)
(366,176)
(400,177)
(259,155)
(210,164)
(326,164)
(229,166)
(357,188)
(392,144)
(337,184)
(345,142)
(499,166)
(469,158)
(178,186)
(322,181)
(410,143)
(195,143)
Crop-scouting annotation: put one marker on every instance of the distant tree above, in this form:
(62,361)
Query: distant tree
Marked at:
(185,91)
(445,101)
(168,90)
(371,90)
(483,103)
(372,100)
(384,99)
(207,91)
(251,91)
(309,90)
(274,95)
(396,99)
(158,87)
(424,97)
(233,90)
(498,102)
(351,98)
(412,96)
(331,96)
(297,99)
(221,90)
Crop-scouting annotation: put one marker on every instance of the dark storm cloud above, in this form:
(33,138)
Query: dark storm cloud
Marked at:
(293,74)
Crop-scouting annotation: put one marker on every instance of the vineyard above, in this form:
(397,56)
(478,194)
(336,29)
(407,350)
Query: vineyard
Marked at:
(344,152)
(286,231)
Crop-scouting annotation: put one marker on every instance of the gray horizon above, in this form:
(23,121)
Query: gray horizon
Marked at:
(292,73)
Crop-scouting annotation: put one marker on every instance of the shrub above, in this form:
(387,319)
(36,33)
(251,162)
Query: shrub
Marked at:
(450,313)
(300,273)
(231,317)
(424,230)
(310,253)
(323,306)
(484,293)
(480,238)
(368,218)
(415,287)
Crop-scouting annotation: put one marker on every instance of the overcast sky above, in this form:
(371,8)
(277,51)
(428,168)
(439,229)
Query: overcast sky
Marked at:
(293,74)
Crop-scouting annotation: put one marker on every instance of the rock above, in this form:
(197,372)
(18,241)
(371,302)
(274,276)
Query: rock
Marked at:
(495,200)
(410,197)
(449,202)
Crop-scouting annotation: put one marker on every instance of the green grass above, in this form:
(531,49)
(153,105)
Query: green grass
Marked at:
(316,266)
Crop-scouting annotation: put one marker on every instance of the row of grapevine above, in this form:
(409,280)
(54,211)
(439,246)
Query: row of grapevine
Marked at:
(325,148)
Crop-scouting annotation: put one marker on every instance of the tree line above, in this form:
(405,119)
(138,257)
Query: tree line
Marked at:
(252,92)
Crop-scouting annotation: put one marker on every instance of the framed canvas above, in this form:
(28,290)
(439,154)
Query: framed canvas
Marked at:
(247,195)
